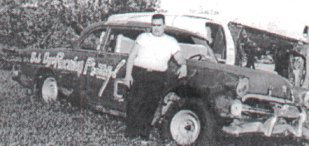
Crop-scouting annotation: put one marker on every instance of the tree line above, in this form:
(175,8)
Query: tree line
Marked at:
(55,23)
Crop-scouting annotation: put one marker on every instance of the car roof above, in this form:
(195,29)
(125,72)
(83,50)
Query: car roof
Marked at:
(131,24)
(191,22)
(135,24)
(140,17)
(136,15)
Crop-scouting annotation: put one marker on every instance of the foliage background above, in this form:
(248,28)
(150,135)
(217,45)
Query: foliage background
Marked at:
(55,23)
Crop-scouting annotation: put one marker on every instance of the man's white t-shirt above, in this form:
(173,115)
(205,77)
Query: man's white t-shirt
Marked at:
(155,52)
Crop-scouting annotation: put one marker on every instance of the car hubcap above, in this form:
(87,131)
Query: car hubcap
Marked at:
(49,90)
(185,127)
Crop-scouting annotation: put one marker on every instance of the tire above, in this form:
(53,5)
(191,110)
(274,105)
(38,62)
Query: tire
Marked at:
(188,124)
(48,89)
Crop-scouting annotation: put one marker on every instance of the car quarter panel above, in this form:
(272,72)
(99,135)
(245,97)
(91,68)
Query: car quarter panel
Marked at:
(64,63)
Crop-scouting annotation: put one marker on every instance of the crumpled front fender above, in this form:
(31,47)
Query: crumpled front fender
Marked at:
(301,96)
(165,104)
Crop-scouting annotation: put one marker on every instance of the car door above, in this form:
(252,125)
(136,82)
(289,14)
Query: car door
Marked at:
(89,46)
(105,78)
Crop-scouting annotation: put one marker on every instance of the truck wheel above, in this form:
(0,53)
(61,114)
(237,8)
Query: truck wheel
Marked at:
(188,124)
(49,89)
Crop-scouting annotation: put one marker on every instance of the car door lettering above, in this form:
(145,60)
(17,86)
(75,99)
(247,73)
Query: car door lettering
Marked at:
(35,57)
(90,62)
(102,71)
(112,74)
(58,61)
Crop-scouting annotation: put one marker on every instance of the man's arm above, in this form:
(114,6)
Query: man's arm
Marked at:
(306,79)
(182,71)
(130,62)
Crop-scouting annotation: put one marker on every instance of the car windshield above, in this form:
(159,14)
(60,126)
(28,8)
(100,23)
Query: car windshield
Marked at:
(193,45)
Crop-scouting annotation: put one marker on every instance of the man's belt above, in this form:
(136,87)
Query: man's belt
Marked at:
(147,69)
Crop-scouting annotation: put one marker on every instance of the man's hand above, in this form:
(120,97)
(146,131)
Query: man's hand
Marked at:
(128,80)
(182,71)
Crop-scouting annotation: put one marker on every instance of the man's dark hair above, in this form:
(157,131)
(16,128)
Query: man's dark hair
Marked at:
(158,16)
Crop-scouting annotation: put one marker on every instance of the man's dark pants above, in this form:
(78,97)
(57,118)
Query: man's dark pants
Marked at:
(143,98)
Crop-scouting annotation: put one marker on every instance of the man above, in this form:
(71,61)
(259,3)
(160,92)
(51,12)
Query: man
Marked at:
(296,65)
(246,50)
(304,50)
(146,75)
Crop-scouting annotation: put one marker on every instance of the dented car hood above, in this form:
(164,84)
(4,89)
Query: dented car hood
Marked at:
(260,82)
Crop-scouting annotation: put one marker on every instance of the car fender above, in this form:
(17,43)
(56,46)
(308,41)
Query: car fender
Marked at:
(174,96)
(41,73)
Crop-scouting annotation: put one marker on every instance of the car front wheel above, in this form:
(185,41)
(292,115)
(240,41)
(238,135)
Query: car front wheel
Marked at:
(188,124)
(185,127)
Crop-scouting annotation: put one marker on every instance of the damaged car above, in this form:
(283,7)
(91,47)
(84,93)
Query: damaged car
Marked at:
(214,98)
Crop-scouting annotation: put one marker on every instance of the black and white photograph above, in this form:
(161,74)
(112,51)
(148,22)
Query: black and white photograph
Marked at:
(154,72)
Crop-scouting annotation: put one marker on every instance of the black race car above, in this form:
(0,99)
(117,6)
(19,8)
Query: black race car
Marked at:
(214,98)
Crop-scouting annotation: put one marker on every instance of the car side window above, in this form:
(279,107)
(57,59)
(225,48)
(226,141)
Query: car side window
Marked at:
(94,40)
(122,40)
(219,41)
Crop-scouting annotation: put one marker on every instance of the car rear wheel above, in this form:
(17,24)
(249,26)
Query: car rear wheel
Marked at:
(188,124)
(49,89)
